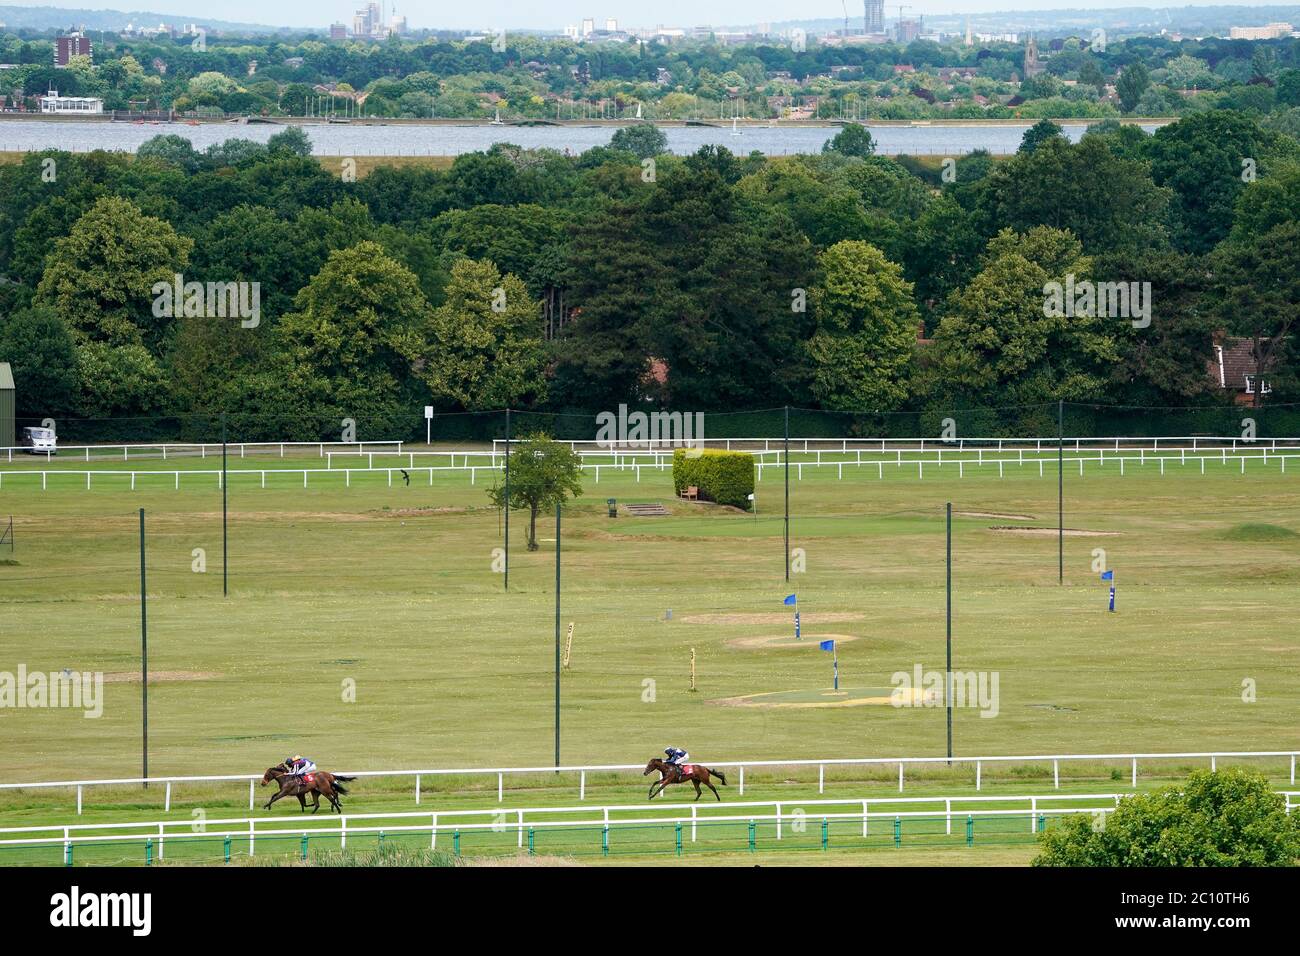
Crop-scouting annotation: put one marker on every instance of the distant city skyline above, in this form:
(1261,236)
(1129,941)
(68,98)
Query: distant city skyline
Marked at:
(630,14)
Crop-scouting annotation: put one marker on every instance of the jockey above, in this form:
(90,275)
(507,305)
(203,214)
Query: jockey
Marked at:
(676,757)
(298,765)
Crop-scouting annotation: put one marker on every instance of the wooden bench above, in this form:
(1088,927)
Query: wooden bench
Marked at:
(692,493)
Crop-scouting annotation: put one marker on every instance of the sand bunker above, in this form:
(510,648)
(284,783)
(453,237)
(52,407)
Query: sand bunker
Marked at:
(848,697)
(127,677)
(776,617)
(786,640)
(1052,532)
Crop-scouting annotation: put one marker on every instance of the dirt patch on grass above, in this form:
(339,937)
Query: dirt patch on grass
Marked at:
(133,677)
(775,617)
(785,640)
(994,514)
(1052,532)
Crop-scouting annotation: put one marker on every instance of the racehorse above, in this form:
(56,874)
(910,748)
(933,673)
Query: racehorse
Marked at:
(318,783)
(695,773)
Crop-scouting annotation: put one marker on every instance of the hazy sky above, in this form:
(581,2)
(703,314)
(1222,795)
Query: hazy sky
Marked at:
(484,14)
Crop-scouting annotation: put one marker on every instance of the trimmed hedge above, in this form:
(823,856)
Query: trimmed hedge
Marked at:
(726,477)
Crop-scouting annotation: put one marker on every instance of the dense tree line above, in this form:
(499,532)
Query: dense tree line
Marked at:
(708,282)
(537,78)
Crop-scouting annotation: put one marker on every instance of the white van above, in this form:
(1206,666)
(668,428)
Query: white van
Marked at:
(40,441)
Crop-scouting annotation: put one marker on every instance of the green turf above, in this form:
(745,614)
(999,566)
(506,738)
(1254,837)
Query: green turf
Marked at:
(392,587)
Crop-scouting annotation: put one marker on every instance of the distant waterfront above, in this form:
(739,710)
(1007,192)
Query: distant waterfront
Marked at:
(358,139)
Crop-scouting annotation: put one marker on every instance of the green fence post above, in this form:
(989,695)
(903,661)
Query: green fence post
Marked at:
(898,832)
(304,846)
(751,836)
(826,833)
(455,842)
(67,855)
(148,852)
(1042,822)
(381,839)
(679,837)
(531,850)
(604,842)
(227,848)
(970,830)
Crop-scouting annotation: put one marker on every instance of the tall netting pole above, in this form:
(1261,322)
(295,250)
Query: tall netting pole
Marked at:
(507,508)
(225,564)
(558,508)
(948,676)
(1060,492)
(144,660)
(787,492)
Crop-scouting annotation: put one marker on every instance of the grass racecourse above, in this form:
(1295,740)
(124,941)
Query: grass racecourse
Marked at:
(390,590)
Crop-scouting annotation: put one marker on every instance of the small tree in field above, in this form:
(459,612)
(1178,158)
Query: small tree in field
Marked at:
(543,474)
(1228,818)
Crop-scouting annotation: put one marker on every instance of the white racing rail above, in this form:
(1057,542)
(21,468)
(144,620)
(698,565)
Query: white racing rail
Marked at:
(203,449)
(582,771)
(964,809)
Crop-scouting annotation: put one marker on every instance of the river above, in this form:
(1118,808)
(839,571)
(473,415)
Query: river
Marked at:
(344,139)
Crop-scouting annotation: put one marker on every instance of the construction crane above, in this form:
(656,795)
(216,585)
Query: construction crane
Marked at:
(845,6)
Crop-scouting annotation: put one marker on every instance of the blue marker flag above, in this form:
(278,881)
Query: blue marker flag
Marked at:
(1108,575)
(789,600)
(827,645)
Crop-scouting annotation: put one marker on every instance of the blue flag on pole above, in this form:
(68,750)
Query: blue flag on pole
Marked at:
(790,600)
(827,645)
(1108,575)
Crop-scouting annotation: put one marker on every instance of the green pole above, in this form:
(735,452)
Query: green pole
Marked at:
(226,847)
(787,492)
(225,572)
(144,659)
(947,685)
(557,633)
(507,571)
(970,830)
(1060,492)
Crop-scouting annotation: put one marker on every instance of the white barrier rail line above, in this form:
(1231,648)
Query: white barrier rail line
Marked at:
(884,444)
(63,835)
(738,765)
(473,470)
(201,447)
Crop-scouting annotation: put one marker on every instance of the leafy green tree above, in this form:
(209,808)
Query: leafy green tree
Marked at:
(291,139)
(100,277)
(1256,296)
(1108,201)
(852,140)
(173,149)
(483,348)
(350,333)
(998,344)
(866,329)
(643,139)
(1131,84)
(119,381)
(543,475)
(38,346)
(1228,818)
(1044,129)
(1204,159)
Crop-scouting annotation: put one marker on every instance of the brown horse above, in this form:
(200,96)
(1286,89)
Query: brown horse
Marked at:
(671,773)
(318,783)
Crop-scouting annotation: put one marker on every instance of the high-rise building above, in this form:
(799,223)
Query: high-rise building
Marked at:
(368,21)
(873,18)
(338,31)
(611,25)
(70,45)
(588,26)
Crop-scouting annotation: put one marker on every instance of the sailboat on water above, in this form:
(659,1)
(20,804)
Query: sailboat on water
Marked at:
(734,130)
(497,121)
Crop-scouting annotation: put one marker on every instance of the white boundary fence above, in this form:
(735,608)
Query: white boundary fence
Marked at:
(793,811)
(738,765)
(189,449)
(1075,443)
(635,461)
